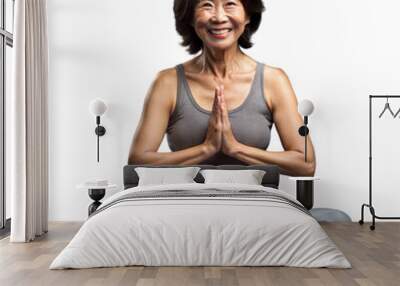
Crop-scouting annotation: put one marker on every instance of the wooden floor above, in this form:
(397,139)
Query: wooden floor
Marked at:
(374,255)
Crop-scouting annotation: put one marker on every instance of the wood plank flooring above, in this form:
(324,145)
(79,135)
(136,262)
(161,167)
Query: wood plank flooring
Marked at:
(374,255)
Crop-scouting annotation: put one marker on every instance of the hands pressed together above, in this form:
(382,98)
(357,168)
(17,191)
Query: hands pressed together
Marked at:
(219,134)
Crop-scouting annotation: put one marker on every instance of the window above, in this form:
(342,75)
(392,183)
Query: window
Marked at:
(6,44)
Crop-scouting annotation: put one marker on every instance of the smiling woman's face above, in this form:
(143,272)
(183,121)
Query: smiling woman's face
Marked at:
(220,23)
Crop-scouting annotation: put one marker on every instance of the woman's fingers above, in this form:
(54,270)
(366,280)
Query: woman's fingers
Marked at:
(219,107)
(215,112)
(216,103)
(218,113)
(223,108)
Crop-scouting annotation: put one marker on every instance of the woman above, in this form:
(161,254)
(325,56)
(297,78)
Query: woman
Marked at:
(219,107)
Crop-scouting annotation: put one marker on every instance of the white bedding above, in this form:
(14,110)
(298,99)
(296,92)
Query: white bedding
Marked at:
(183,231)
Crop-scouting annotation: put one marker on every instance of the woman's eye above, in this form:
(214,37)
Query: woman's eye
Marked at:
(206,4)
(230,3)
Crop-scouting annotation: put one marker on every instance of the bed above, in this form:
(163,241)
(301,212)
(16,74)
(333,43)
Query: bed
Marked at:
(201,224)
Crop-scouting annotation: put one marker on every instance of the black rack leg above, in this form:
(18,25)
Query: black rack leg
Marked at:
(361,221)
(372,210)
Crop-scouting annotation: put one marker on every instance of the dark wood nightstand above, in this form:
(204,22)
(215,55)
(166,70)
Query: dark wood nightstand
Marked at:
(305,190)
(96,193)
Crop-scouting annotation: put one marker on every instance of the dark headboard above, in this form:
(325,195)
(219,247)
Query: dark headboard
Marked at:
(270,179)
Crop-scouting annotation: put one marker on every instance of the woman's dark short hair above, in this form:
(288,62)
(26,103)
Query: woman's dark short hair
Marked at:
(184,13)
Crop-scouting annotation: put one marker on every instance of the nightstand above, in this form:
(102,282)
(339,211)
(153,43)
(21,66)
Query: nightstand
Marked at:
(96,193)
(305,190)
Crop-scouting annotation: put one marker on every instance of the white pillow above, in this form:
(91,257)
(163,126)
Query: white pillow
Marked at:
(249,177)
(166,175)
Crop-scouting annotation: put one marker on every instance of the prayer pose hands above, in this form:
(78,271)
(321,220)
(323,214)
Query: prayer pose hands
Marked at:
(219,135)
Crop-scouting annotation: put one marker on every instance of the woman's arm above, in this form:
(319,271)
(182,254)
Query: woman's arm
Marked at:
(287,121)
(158,106)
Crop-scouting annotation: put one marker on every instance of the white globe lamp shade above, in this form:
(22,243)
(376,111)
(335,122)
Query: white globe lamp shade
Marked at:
(306,107)
(97,107)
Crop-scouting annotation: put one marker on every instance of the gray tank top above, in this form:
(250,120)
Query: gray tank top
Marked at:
(251,122)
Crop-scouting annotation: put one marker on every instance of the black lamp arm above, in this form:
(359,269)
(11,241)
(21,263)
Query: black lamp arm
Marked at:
(100,131)
(303,131)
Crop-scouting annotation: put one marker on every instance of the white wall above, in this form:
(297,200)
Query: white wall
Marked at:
(336,53)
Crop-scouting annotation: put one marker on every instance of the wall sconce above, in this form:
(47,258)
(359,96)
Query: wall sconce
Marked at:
(97,107)
(306,108)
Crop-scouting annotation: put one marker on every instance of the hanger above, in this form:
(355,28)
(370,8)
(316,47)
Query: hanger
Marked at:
(398,111)
(387,107)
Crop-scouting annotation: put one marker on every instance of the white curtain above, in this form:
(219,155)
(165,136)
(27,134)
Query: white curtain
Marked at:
(28,121)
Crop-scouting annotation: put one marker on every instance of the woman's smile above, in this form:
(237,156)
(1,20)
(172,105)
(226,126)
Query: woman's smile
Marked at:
(219,33)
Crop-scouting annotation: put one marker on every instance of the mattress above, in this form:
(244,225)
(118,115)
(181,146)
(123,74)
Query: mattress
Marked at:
(201,225)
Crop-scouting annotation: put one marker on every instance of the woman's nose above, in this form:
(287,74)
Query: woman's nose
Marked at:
(219,15)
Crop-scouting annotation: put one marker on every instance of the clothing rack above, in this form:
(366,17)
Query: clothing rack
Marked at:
(369,205)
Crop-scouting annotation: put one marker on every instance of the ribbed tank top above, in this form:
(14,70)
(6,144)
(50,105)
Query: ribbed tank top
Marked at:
(251,122)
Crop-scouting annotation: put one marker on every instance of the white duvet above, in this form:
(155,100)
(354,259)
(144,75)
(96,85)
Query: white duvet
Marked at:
(200,231)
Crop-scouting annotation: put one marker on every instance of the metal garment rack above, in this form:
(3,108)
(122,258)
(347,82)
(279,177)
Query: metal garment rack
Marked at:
(369,205)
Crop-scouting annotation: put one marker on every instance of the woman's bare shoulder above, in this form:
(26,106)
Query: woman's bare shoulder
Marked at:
(276,84)
(164,88)
(274,75)
(166,78)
